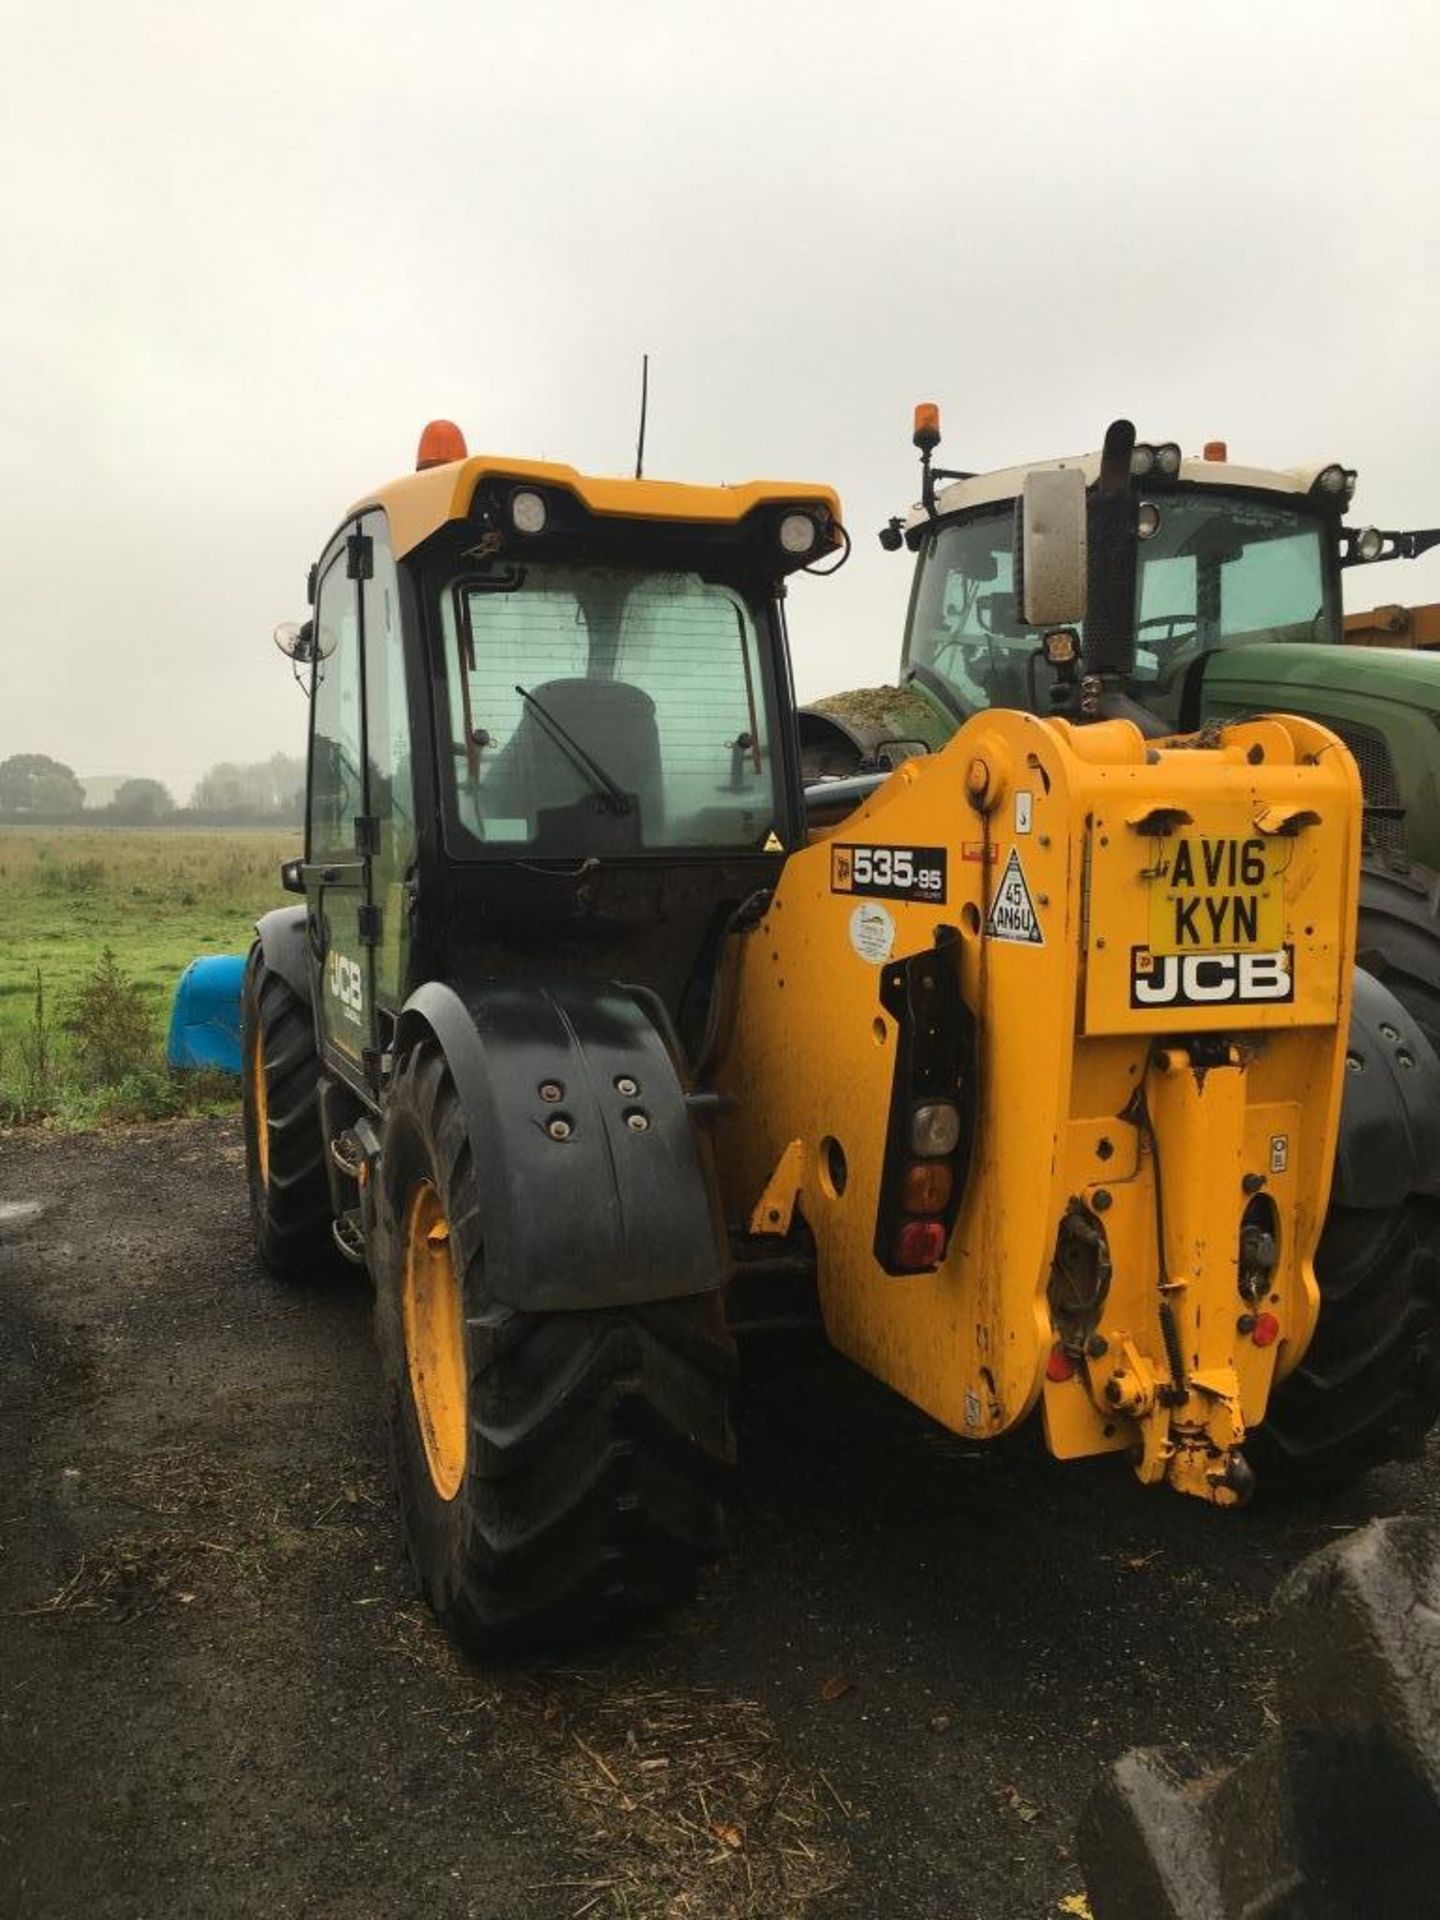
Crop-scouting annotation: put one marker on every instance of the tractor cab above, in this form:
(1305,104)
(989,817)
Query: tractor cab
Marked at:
(1227,556)
(551,716)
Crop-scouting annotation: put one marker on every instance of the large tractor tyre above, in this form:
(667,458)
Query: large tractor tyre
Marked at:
(1399,938)
(290,1210)
(1367,1388)
(559,1474)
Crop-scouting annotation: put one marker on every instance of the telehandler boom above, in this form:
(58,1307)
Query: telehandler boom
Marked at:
(587,1032)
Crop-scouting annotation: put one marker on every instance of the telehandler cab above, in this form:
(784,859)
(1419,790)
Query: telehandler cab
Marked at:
(584,1033)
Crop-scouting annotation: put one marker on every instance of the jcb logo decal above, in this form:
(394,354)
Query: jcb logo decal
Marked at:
(347,985)
(1211,979)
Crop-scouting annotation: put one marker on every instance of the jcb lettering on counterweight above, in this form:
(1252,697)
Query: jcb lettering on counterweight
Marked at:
(1216,896)
(1211,979)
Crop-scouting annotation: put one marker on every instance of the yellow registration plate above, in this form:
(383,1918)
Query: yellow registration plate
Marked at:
(1217,895)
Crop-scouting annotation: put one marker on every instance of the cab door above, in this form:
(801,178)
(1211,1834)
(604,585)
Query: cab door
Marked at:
(339,836)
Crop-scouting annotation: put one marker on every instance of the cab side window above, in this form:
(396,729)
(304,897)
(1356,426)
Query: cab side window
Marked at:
(336,786)
(392,799)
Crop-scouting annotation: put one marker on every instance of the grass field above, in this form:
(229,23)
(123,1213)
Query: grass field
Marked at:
(156,898)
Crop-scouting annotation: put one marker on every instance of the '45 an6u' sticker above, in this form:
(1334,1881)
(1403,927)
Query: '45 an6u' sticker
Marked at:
(889,873)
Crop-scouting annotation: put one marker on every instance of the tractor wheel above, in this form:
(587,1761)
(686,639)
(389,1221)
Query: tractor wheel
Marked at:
(558,1473)
(1368,1388)
(1399,940)
(284,1144)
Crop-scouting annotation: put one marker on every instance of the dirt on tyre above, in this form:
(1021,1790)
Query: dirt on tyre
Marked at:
(284,1147)
(1399,936)
(559,1474)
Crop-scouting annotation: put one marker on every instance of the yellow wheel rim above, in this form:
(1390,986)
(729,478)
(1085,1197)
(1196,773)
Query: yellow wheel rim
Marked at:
(434,1338)
(261,1095)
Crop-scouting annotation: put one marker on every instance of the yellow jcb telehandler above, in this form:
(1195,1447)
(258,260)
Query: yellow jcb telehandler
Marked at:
(586,1035)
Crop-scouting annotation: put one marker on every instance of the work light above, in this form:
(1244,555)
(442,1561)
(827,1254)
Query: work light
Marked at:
(798,533)
(528,512)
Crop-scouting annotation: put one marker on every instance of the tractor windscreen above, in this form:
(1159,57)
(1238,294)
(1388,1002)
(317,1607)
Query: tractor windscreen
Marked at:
(605,710)
(1215,570)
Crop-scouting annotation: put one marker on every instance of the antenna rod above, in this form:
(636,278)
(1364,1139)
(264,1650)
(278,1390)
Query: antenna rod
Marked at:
(644,397)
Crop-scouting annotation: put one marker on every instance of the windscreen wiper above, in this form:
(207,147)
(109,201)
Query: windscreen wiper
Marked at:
(620,801)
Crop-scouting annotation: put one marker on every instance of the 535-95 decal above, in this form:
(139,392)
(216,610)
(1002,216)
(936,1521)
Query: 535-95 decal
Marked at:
(889,873)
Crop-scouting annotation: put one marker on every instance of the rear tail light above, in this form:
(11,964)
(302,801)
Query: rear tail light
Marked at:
(920,1243)
(926,1186)
(931,1123)
(935,1129)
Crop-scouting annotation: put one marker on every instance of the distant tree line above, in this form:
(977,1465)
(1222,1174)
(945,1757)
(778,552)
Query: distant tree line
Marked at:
(262,793)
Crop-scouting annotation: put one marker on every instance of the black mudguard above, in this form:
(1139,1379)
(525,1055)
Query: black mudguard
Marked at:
(1390,1120)
(621,1210)
(283,941)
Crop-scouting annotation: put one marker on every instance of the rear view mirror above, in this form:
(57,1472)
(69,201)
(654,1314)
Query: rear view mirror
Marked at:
(296,640)
(1052,547)
(292,876)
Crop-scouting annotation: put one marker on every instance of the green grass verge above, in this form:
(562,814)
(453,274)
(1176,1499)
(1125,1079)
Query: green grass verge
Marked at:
(156,898)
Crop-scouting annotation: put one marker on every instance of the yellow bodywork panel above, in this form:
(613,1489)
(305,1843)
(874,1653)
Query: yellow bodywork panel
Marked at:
(419,504)
(1156,943)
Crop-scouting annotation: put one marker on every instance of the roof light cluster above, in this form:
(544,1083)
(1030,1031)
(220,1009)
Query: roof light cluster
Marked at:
(1335,482)
(1147,460)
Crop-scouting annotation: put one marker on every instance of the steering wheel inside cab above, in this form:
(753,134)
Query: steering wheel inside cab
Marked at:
(1165,644)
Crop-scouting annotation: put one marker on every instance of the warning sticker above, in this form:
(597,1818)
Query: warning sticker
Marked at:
(872,933)
(1012,911)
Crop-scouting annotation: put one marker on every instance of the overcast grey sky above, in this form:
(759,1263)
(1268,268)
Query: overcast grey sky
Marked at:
(247,252)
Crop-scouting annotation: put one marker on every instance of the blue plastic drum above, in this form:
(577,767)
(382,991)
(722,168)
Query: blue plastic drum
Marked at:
(205,1019)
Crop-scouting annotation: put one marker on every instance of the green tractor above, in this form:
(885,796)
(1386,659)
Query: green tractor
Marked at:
(1238,611)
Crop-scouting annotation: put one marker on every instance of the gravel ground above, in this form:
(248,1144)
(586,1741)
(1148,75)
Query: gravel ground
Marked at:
(219,1695)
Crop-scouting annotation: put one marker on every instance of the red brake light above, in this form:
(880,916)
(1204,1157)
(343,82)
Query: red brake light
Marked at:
(1266,1330)
(920,1243)
(1059,1366)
